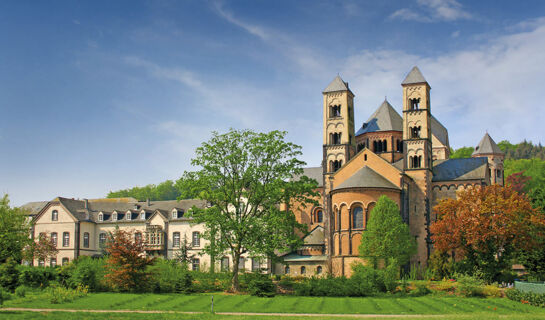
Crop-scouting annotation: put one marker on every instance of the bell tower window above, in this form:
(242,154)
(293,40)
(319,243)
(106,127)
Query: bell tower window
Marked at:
(334,111)
(414,104)
(415,162)
(415,132)
(335,165)
(335,138)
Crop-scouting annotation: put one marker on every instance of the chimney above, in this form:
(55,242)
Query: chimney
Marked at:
(86,203)
(149,202)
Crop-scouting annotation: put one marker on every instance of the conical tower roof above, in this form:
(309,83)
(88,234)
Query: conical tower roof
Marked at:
(487,146)
(337,84)
(414,76)
(385,118)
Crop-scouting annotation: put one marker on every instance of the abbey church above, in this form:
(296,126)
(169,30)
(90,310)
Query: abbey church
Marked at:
(405,157)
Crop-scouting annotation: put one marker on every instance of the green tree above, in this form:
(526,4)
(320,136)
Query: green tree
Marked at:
(163,191)
(463,152)
(387,237)
(14,231)
(245,176)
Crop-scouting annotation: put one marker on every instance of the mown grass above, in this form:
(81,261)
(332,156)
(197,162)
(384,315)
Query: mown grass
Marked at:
(10,315)
(429,305)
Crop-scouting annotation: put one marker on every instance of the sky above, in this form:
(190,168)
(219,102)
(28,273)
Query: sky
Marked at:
(105,95)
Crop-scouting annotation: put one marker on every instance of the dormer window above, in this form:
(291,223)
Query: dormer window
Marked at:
(128,215)
(143,215)
(174,214)
(101,217)
(114,216)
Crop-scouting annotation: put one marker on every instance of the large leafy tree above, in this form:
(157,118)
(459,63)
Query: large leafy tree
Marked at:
(14,231)
(485,226)
(387,237)
(245,177)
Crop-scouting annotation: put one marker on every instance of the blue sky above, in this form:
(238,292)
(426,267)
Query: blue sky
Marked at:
(103,95)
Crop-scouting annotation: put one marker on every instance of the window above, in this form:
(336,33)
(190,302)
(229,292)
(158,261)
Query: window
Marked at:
(196,239)
(335,138)
(335,165)
(138,237)
(303,270)
(498,173)
(114,216)
(100,217)
(225,264)
(256,265)
(54,215)
(319,270)
(334,111)
(86,240)
(143,215)
(65,239)
(176,239)
(415,162)
(414,103)
(241,263)
(174,214)
(128,215)
(195,264)
(287,270)
(357,218)
(361,146)
(399,145)
(102,240)
(65,261)
(54,238)
(415,132)
(339,220)
(319,216)
(53,262)
(41,262)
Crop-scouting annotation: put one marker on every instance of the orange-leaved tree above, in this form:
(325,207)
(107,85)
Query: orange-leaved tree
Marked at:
(484,226)
(127,262)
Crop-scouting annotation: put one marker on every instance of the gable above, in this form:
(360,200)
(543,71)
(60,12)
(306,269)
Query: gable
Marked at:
(374,162)
(45,214)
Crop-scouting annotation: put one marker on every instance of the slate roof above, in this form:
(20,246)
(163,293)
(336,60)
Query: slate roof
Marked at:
(315,173)
(459,169)
(315,237)
(366,178)
(487,146)
(414,76)
(122,206)
(337,84)
(439,131)
(295,257)
(34,207)
(385,118)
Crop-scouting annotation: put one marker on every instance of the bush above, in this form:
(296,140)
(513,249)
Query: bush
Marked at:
(534,299)
(9,274)
(390,275)
(367,281)
(36,276)
(4,295)
(169,276)
(84,271)
(492,291)
(262,287)
(58,294)
(210,282)
(469,286)
(21,291)
(420,289)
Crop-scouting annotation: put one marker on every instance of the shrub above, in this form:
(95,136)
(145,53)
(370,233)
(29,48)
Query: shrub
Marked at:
(469,286)
(4,295)
(420,289)
(9,274)
(58,294)
(36,276)
(390,275)
(169,276)
(84,271)
(367,281)
(21,291)
(534,299)
(492,291)
(262,287)
(210,282)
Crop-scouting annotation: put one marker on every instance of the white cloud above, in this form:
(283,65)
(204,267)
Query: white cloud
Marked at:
(252,29)
(433,11)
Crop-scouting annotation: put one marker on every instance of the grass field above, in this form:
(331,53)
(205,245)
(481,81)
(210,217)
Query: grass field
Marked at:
(426,305)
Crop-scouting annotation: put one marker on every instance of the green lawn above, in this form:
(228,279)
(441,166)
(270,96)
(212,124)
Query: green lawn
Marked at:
(430,305)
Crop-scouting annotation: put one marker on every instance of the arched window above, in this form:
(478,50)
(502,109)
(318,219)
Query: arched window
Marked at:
(176,239)
(196,239)
(65,239)
(399,145)
(54,215)
(375,146)
(336,138)
(414,103)
(339,220)
(86,239)
(319,270)
(287,270)
(114,216)
(54,238)
(357,218)
(319,216)
(102,240)
(143,215)
(128,215)
(384,146)
(333,221)
(100,217)
(303,270)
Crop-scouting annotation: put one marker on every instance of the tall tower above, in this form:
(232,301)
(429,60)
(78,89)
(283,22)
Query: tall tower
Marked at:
(418,157)
(339,143)
(488,148)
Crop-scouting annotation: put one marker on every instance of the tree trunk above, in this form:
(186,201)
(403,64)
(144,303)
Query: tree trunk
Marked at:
(235,287)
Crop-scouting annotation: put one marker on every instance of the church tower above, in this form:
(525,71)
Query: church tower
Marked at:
(339,143)
(417,140)
(488,148)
